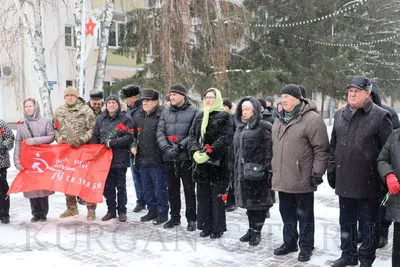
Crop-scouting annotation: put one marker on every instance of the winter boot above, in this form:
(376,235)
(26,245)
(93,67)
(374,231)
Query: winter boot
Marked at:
(247,236)
(91,215)
(122,217)
(35,219)
(255,238)
(69,213)
(108,217)
(151,215)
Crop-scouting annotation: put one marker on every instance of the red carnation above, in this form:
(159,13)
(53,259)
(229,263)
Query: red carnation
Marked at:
(121,127)
(208,148)
(224,197)
(173,139)
(1,132)
(57,125)
(20,122)
(131,131)
(139,130)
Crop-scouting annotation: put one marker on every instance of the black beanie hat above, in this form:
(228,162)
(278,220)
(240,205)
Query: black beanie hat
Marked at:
(263,103)
(167,97)
(113,97)
(227,102)
(178,88)
(303,90)
(291,89)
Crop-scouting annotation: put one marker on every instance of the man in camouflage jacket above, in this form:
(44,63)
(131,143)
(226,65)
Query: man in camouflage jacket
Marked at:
(73,124)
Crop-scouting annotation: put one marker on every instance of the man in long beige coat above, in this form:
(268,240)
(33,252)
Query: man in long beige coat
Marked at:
(300,154)
(73,124)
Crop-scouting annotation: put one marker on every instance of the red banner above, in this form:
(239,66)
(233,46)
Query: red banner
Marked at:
(80,172)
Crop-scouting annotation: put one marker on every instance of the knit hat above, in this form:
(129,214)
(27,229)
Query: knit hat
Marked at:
(148,93)
(291,89)
(71,91)
(360,82)
(129,91)
(167,97)
(113,97)
(178,88)
(303,90)
(248,104)
(227,102)
(96,95)
(270,99)
(262,102)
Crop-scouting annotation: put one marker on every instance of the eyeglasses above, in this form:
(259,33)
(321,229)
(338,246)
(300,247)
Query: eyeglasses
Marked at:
(210,97)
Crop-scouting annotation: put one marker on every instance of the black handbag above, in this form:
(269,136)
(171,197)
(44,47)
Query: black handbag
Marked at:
(255,172)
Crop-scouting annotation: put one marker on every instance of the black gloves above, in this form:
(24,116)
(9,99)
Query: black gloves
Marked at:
(332,179)
(316,180)
(269,179)
(173,152)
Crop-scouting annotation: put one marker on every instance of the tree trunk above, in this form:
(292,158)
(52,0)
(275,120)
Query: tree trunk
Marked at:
(79,36)
(34,39)
(103,45)
(322,105)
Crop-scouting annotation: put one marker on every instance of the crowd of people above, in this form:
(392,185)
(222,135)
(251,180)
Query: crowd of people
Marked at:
(226,159)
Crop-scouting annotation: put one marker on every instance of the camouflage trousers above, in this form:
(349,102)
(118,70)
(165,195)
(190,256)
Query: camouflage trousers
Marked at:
(72,203)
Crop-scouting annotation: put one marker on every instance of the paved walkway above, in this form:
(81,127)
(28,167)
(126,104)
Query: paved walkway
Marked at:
(76,242)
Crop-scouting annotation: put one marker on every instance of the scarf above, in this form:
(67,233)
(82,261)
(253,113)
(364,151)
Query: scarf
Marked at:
(218,106)
(287,117)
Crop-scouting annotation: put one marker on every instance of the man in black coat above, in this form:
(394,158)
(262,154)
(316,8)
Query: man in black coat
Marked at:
(130,94)
(384,224)
(173,137)
(359,132)
(149,158)
(105,132)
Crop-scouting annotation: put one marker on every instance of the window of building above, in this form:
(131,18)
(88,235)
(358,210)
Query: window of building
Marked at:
(106,83)
(117,34)
(70,37)
(69,83)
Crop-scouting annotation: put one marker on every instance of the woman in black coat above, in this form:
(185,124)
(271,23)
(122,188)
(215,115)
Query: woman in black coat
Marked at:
(389,169)
(213,128)
(253,152)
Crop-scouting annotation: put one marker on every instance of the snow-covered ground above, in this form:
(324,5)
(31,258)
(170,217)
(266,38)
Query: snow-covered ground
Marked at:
(76,242)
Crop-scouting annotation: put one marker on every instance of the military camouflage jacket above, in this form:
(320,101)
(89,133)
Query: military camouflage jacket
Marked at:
(74,121)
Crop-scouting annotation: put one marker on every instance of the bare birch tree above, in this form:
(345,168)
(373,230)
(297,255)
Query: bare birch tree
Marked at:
(103,45)
(78,36)
(34,39)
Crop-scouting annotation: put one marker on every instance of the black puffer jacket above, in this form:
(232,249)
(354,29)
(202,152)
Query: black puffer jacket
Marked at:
(376,97)
(356,141)
(389,162)
(252,144)
(176,122)
(120,141)
(148,152)
(219,136)
(267,116)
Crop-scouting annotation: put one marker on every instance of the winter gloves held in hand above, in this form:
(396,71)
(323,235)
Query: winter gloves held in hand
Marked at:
(332,179)
(316,180)
(200,157)
(174,151)
(393,183)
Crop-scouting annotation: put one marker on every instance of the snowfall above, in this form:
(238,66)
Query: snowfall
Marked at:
(77,242)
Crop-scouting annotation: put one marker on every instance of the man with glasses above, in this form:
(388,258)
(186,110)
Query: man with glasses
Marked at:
(359,132)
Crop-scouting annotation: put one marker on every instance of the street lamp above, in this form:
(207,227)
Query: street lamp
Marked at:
(337,12)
